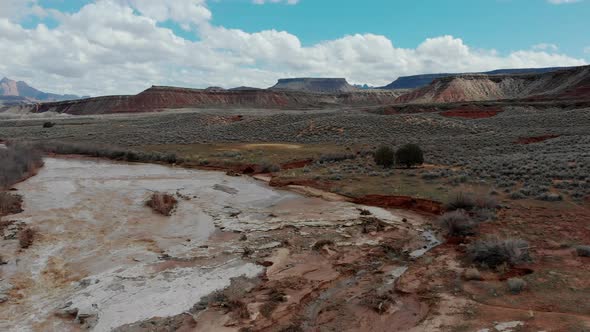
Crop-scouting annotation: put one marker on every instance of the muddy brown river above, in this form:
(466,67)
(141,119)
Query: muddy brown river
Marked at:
(101,258)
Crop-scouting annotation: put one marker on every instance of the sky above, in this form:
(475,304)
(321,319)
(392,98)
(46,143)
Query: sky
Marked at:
(100,47)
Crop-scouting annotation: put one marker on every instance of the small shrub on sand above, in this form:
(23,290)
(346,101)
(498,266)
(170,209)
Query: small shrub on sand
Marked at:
(457,223)
(26,237)
(493,252)
(385,157)
(162,203)
(583,251)
(516,285)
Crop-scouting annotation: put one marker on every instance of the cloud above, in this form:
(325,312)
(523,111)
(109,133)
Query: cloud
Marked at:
(561,2)
(118,47)
(185,12)
(18,9)
(587,50)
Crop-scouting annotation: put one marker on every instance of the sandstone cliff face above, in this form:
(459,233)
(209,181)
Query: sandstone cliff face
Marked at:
(419,81)
(160,98)
(571,83)
(314,85)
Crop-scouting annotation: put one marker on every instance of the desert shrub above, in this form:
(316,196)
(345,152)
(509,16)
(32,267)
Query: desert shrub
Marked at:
(517,195)
(469,202)
(25,237)
(17,161)
(335,157)
(409,155)
(516,285)
(583,251)
(461,201)
(10,204)
(162,203)
(269,168)
(457,223)
(483,214)
(550,197)
(486,202)
(431,175)
(384,156)
(108,152)
(493,252)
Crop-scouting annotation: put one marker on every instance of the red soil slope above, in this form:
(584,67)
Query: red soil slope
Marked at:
(160,98)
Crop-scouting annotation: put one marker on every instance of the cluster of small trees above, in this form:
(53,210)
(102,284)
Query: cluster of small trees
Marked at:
(409,155)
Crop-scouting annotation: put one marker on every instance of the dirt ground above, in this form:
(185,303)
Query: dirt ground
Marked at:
(363,277)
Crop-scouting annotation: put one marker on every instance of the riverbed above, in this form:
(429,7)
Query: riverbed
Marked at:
(102,259)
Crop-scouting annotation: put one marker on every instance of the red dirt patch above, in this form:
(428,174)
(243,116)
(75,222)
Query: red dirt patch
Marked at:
(534,139)
(404,202)
(472,112)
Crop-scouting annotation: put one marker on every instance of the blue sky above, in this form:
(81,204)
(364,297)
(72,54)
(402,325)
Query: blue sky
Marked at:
(504,25)
(501,24)
(240,42)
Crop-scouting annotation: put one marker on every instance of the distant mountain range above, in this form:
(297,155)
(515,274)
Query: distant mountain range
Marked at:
(418,81)
(11,90)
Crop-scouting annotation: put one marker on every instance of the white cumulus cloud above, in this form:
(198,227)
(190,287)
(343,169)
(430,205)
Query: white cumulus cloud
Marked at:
(117,47)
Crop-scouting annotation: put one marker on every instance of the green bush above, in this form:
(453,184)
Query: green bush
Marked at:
(409,155)
(384,156)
